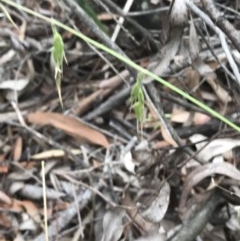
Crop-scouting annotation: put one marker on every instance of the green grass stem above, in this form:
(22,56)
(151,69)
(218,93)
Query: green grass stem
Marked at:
(126,61)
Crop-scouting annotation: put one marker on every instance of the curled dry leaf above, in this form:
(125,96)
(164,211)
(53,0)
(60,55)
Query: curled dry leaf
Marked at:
(214,148)
(69,125)
(179,13)
(158,207)
(201,172)
(112,224)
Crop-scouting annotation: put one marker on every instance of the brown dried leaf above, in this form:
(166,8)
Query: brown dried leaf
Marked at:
(32,210)
(86,102)
(17,152)
(69,125)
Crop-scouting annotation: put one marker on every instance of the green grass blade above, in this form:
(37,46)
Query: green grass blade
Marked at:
(128,62)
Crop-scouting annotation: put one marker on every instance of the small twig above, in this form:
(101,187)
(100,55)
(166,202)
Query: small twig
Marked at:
(140,28)
(65,217)
(156,104)
(222,23)
(193,226)
(121,20)
(221,35)
(44,139)
(105,7)
(45,202)
(94,190)
(152,97)
(108,105)
(181,102)
(214,55)
(96,30)
(78,213)
(147,12)
(19,114)
(119,129)
(99,53)
(228,9)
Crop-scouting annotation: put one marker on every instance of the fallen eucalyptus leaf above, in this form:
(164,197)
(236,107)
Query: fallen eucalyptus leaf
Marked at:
(158,207)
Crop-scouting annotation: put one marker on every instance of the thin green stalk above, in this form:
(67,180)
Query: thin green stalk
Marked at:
(126,61)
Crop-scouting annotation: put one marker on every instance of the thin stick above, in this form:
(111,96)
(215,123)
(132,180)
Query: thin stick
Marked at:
(121,20)
(44,201)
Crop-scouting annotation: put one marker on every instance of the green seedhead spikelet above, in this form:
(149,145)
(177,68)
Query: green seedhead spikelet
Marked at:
(138,100)
(58,56)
